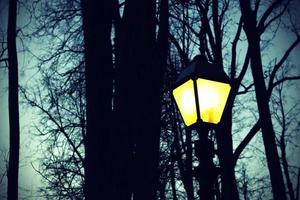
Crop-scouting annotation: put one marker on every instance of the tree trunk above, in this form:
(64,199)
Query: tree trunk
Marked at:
(13,100)
(225,154)
(285,162)
(298,185)
(172,174)
(267,127)
(204,151)
(138,91)
(97,21)
(188,176)
(268,134)
(150,97)
(185,166)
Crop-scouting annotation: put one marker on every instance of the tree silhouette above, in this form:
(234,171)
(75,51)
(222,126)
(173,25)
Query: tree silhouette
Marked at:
(106,118)
(253,31)
(13,82)
(137,102)
(98,71)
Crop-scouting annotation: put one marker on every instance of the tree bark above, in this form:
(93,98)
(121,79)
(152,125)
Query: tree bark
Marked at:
(13,100)
(225,154)
(138,91)
(97,22)
(149,110)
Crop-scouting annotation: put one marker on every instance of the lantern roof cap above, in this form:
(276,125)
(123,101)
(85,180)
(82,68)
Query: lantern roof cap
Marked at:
(199,67)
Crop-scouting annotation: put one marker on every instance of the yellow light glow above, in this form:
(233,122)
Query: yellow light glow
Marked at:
(212,99)
(185,99)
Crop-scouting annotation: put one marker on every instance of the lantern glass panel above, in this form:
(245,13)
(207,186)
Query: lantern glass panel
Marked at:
(212,97)
(185,99)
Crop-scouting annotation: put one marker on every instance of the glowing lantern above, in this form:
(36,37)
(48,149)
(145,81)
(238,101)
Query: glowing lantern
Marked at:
(201,92)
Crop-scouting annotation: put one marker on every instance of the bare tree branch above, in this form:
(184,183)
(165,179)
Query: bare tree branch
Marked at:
(267,13)
(233,49)
(282,60)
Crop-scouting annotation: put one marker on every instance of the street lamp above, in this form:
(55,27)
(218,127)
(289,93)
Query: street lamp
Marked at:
(201,92)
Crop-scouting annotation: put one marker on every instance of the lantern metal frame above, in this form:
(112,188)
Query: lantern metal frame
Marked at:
(199,67)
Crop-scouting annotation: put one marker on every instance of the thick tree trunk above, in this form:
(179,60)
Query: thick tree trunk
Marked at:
(124,101)
(139,75)
(225,154)
(122,137)
(253,36)
(225,150)
(149,112)
(97,22)
(13,101)
(266,126)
